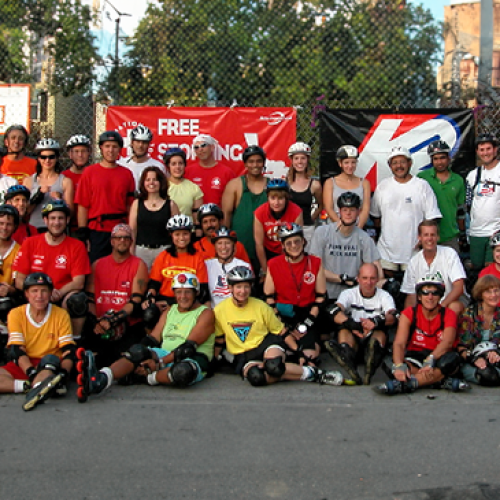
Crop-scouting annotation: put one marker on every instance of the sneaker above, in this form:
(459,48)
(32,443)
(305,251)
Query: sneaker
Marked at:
(41,391)
(89,379)
(338,354)
(329,377)
(454,384)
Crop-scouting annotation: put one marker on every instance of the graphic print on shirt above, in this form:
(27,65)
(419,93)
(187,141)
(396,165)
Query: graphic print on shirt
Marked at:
(242,330)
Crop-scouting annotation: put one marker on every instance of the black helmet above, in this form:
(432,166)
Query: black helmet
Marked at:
(438,147)
(17,190)
(55,206)
(487,137)
(347,151)
(253,150)
(173,152)
(240,274)
(224,232)
(111,135)
(34,279)
(349,199)
(12,211)
(210,209)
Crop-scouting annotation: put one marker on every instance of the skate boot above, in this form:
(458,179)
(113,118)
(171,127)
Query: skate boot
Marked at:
(345,356)
(454,384)
(89,379)
(329,377)
(40,392)
(392,387)
(374,356)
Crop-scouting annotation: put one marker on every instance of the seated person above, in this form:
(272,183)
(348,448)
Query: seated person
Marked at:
(494,267)
(252,333)
(479,334)
(186,334)
(19,196)
(423,351)
(363,315)
(41,345)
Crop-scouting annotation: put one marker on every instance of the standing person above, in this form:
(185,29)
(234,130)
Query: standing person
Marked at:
(140,138)
(269,217)
(104,196)
(494,267)
(401,203)
(210,174)
(305,191)
(483,199)
(347,158)
(18,196)
(243,196)
(449,189)
(149,215)
(187,195)
(16,164)
(47,184)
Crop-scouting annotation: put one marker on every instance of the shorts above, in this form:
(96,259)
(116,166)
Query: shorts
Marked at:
(453,243)
(257,354)
(480,251)
(391,266)
(416,358)
(199,359)
(18,373)
(100,244)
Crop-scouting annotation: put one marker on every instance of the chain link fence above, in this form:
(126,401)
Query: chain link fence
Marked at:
(347,54)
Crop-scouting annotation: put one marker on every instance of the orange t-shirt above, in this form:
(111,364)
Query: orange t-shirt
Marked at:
(19,169)
(207,248)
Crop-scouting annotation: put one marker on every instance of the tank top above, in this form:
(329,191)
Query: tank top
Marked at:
(152,225)
(242,222)
(36,218)
(337,191)
(305,200)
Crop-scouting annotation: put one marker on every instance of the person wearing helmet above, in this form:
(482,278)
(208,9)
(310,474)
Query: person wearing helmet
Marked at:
(15,163)
(41,345)
(494,267)
(295,286)
(483,201)
(105,193)
(437,259)
(210,218)
(18,196)
(400,203)
(243,196)
(305,191)
(346,180)
(224,242)
(423,351)
(48,183)
(344,247)
(449,189)
(269,217)
(249,330)
(187,195)
(140,139)
(180,257)
(479,334)
(183,341)
(209,173)
(6,182)
(116,289)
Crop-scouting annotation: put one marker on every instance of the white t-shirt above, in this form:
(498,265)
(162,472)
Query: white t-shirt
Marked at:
(402,208)
(138,168)
(365,307)
(446,263)
(5,183)
(485,210)
(217,284)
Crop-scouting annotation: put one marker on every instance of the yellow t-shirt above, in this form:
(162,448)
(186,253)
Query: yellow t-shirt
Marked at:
(245,327)
(184,195)
(8,260)
(47,337)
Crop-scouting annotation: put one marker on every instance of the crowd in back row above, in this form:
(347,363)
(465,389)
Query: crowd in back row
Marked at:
(164,239)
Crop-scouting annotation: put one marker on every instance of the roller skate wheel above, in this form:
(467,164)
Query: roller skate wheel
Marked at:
(80,393)
(80,353)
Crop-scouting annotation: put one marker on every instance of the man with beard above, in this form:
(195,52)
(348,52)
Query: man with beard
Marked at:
(16,164)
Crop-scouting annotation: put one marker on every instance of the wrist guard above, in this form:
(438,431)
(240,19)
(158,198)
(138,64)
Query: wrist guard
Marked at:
(347,280)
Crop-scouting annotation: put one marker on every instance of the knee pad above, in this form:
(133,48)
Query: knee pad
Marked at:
(49,362)
(137,354)
(488,376)
(69,352)
(183,373)
(151,316)
(185,350)
(6,304)
(275,367)
(448,363)
(78,305)
(257,376)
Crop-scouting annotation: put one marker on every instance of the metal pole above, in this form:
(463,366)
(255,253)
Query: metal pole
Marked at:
(486,47)
(117,60)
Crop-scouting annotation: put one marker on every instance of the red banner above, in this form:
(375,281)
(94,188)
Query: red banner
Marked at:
(234,128)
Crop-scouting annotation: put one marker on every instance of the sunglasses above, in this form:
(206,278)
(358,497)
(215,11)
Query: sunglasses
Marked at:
(435,293)
(204,145)
(121,238)
(47,157)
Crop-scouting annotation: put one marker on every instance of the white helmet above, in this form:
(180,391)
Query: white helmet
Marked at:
(495,240)
(399,151)
(483,348)
(179,222)
(186,280)
(50,144)
(431,280)
(78,140)
(299,147)
(347,151)
(141,133)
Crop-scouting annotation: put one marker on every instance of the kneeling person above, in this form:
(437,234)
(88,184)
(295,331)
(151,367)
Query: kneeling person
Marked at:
(186,333)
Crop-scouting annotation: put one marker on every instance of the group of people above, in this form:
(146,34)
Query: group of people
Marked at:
(137,270)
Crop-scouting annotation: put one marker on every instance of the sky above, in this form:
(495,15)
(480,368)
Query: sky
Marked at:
(435,6)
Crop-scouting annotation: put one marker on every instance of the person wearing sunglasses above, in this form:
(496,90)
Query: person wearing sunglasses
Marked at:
(208,172)
(15,163)
(423,351)
(48,183)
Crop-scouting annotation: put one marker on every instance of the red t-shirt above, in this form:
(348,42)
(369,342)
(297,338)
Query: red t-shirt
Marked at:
(207,248)
(75,179)
(166,267)
(105,191)
(61,262)
(428,335)
(23,232)
(19,169)
(295,283)
(271,225)
(212,181)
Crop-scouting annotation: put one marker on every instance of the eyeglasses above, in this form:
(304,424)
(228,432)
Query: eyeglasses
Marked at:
(121,238)
(293,243)
(435,293)
(47,157)
(204,145)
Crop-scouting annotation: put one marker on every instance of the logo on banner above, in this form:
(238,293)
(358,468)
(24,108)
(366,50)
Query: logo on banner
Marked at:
(275,118)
